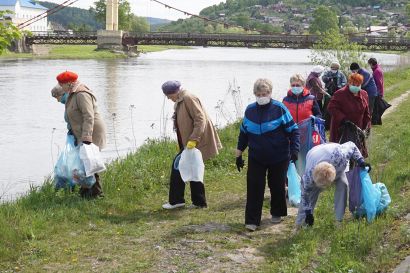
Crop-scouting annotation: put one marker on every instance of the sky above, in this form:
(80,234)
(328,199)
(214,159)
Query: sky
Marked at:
(147,8)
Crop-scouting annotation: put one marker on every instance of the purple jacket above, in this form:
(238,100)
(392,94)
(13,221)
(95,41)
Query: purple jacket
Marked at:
(378,78)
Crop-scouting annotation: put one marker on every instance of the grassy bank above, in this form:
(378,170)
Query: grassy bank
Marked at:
(82,52)
(127,231)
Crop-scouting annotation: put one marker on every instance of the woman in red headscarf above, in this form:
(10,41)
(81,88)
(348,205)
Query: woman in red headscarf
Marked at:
(84,119)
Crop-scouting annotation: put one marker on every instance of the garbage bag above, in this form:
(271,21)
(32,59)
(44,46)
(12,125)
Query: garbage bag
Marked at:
(91,157)
(370,197)
(355,189)
(191,165)
(62,177)
(294,192)
(310,129)
(380,105)
(70,168)
(385,198)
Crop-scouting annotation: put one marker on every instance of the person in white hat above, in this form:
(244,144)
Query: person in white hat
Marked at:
(314,85)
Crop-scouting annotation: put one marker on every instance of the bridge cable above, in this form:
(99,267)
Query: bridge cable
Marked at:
(46,13)
(226,25)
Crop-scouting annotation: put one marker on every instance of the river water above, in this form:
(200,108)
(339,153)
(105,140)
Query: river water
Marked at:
(129,98)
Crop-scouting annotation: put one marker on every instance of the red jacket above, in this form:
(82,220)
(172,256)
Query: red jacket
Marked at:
(303,106)
(345,106)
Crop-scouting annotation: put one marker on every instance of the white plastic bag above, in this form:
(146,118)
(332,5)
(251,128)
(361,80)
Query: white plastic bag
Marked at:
(191,165)
(91,157)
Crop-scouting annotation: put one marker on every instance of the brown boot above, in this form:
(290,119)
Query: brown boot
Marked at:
(96,189)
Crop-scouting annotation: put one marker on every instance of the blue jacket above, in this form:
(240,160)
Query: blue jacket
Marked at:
(329,77)
(270,133)
(369,85)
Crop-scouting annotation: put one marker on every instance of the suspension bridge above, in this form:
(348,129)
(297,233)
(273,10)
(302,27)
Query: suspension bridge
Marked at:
(217,40)
(111,37)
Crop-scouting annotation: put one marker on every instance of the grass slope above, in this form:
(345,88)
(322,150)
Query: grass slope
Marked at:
(127,231)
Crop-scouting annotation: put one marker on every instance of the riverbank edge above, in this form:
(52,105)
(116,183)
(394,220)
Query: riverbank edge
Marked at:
(82,52)
(52,231)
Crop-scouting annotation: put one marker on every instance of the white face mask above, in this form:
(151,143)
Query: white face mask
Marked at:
(262,100)
(334,71)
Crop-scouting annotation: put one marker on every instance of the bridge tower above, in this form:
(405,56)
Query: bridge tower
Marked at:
(111,37)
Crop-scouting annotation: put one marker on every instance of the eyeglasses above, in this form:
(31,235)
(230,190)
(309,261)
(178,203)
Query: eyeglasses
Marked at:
(295,85)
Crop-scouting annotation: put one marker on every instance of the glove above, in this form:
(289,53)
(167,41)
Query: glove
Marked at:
(87,142)
(345,122)
(363,165)
(293,158)
(191,144)
(240,163)
(309,220)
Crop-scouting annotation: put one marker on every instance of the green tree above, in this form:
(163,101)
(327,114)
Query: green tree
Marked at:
(8,32)
(324,20)
(125,16)
(408,11)
(335,46)
(139,24)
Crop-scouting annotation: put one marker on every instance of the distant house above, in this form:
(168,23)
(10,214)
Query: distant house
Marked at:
(24,10)
(378,29)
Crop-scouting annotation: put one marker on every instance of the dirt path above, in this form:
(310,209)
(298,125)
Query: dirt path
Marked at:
(395,102)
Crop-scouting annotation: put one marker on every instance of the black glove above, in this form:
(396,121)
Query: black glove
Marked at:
(345,122)
(87,142)
(239,163)
(309,220)
(293,157)
(363,165)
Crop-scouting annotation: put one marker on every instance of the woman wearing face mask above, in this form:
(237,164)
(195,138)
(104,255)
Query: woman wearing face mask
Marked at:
(314,85)
(299,101)
(84,119)
(349,104)
(273,139)
(58,93)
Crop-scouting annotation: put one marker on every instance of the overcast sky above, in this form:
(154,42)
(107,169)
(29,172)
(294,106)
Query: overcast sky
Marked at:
(148,8)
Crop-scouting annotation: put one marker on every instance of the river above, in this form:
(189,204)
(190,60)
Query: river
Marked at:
(130,99)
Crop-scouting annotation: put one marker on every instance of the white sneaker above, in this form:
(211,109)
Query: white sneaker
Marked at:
(251,227)
(169,206)
(276,219)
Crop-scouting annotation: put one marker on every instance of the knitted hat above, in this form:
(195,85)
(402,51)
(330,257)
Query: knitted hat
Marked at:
(57,91)
(67,77)
(335,65)
(171,87)
(318,69)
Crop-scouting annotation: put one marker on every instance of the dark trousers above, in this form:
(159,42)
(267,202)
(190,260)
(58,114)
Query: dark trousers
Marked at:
(372,100)
(177,189)
(94,191)
(256,180)
(320,103)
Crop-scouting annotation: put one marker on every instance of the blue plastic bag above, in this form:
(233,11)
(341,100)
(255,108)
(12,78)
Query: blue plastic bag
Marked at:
(370,197)
(62,178)
(385,198)
(294,192)
(69,169)
(307,128)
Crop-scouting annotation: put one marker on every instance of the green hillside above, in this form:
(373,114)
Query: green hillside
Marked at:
(295,16)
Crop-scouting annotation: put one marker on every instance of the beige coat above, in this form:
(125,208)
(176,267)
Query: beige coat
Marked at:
(194,124)
(83,116)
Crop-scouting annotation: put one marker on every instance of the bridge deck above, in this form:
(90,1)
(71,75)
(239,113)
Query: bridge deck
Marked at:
(221,40)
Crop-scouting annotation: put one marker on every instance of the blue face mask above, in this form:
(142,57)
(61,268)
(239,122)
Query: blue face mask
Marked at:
(354,89)
(64,97)
(296,90)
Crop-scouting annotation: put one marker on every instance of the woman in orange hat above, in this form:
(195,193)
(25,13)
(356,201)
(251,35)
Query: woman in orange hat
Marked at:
(84,119)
